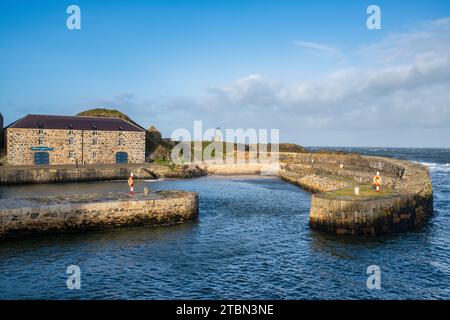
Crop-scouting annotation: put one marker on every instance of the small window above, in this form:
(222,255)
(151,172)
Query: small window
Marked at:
(41,140)
(71,154)
(121,142)
(94,133)
(70,132)
(120,133)
(94,154)
(70,141)
(94,141)
(41,131)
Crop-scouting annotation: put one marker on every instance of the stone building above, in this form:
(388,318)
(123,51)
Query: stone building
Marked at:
(63,140)
(1,131)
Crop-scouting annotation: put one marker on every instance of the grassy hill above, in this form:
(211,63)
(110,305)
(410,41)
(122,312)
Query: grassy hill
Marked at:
(291,147)
(107,113)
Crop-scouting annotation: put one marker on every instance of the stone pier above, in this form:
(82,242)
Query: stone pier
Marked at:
(13,175)
(405,203)
(19,217)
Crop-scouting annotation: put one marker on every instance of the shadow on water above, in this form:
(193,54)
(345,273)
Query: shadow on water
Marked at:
(128,235)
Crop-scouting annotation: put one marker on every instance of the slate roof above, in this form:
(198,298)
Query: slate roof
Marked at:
(33,121)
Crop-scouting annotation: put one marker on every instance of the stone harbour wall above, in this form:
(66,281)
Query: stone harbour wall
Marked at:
(407,206)
(369,217)
(333,172)
(21,217)
(11,175)
(354,160)
(312,182)
(241,169)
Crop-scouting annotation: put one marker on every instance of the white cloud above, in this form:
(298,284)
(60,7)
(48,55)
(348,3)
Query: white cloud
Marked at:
(409,86)
(426,40)
(399,84)
(253,90)
(316,47)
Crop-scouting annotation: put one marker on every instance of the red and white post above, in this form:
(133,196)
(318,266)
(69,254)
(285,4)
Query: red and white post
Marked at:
(131,184)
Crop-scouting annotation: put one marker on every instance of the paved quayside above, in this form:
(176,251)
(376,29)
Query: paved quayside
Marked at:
(99,211)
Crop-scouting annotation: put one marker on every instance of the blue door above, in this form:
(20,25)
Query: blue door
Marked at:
(121,157)
(41,158)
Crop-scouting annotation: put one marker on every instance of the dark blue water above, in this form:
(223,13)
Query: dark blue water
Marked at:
(251,241)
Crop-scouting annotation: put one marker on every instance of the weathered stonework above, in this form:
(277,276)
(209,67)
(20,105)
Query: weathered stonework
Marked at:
(241,169)
(20,217)
(1,131)
(369,217)
(12,175)
(408,206)
(73,146)
(311,182)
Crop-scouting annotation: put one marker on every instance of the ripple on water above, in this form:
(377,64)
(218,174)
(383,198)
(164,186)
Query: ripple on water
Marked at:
(251,241)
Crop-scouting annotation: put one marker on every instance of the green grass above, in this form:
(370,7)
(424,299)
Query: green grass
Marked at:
(163,162)
(106,113)
(283,147)
(365,192)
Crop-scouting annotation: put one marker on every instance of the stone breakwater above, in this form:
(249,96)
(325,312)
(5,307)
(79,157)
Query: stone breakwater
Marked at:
(241,169)
(405,205)
(12,175)
(20,217)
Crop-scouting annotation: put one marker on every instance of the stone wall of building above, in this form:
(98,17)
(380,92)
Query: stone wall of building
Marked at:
(20,217)
(74,146)
(1,132)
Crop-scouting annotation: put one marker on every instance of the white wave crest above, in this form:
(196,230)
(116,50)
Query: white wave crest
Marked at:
(437,167)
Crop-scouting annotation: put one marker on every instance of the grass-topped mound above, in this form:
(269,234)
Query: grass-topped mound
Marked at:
(366,192)
(107,113)
(156,148)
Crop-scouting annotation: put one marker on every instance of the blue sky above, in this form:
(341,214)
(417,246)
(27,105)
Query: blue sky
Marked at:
(312,70)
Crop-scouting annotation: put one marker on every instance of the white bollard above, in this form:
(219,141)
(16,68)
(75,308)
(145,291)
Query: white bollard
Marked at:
(357,191)
(342,166)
